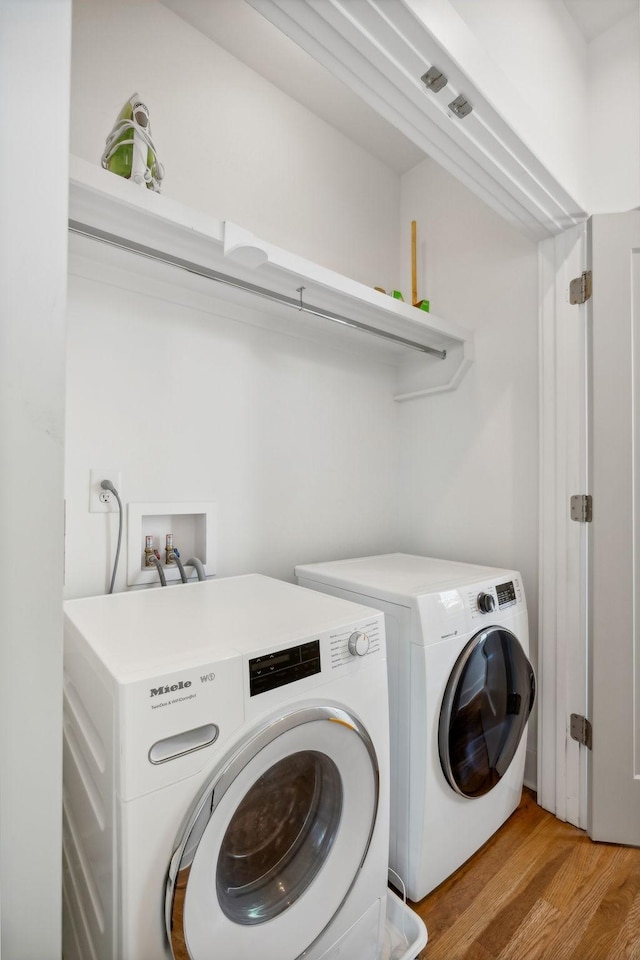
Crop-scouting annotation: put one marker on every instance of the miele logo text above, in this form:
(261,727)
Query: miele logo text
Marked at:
(158,691)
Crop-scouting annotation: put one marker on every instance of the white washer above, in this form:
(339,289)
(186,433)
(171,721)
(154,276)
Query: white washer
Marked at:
(460,692)
(226,774)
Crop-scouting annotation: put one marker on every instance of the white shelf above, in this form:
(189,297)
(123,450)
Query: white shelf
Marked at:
(106,203)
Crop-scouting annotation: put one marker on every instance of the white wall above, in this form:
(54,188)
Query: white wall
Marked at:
(232,144)
(468,480)
(613,148)
(34,78)
(294,440)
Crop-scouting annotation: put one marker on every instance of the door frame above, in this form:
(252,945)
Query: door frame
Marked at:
(564,543)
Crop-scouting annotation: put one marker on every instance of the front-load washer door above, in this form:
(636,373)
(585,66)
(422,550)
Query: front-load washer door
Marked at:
(276,840)
(484,712)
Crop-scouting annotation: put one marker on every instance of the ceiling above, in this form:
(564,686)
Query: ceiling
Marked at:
(242,31)
(594,17)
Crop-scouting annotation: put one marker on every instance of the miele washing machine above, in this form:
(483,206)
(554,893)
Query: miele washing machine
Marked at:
(226,774)
(461,689)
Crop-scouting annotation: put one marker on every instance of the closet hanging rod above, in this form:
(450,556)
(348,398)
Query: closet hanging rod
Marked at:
(152,254)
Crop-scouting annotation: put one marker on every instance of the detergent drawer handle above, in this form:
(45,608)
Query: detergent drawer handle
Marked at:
(185,742)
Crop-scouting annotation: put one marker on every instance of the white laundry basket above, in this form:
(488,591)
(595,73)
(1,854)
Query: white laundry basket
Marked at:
(403,928)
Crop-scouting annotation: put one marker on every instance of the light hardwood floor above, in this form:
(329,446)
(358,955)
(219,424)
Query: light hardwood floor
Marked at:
(538,890)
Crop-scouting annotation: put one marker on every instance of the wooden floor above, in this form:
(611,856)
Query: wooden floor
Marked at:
(538,889)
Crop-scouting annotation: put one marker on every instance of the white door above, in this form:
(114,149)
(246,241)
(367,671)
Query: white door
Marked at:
(562,649)
(614,709)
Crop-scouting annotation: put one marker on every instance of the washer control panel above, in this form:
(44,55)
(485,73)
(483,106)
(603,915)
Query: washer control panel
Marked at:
(348,644)
(284,666)
(495,597)
(352,643)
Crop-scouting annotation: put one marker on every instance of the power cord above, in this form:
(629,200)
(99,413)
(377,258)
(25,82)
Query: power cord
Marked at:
(107,485)
(401,948)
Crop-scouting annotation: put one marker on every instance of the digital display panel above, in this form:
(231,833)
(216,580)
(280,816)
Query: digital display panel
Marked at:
(506,593)
(284,666)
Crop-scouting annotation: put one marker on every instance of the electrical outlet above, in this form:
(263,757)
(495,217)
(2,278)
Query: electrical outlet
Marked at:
(103,501)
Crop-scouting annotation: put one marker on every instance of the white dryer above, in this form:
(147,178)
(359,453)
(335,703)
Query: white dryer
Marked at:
(461,689)
(226,774)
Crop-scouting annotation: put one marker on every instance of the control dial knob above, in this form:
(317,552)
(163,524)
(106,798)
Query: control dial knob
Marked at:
(359,644)
(486,602)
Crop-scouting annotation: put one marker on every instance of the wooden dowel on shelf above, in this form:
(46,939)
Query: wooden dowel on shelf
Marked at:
(414,273)
(421,304)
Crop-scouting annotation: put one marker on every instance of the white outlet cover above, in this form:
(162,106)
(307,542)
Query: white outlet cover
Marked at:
(95,479)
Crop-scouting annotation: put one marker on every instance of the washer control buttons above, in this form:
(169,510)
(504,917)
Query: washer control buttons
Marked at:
(351,646)
(486,602)
(358,644)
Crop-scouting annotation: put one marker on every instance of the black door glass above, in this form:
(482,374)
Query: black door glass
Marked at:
(279,837)
(485,709)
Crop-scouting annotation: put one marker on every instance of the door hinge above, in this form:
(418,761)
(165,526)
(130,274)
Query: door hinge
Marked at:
(582,507)
(460,107)
(580,288)
(434,79)
(581,730)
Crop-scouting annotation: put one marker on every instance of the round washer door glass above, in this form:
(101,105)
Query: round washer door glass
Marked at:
(276,840)
(279,837)
(484,712)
